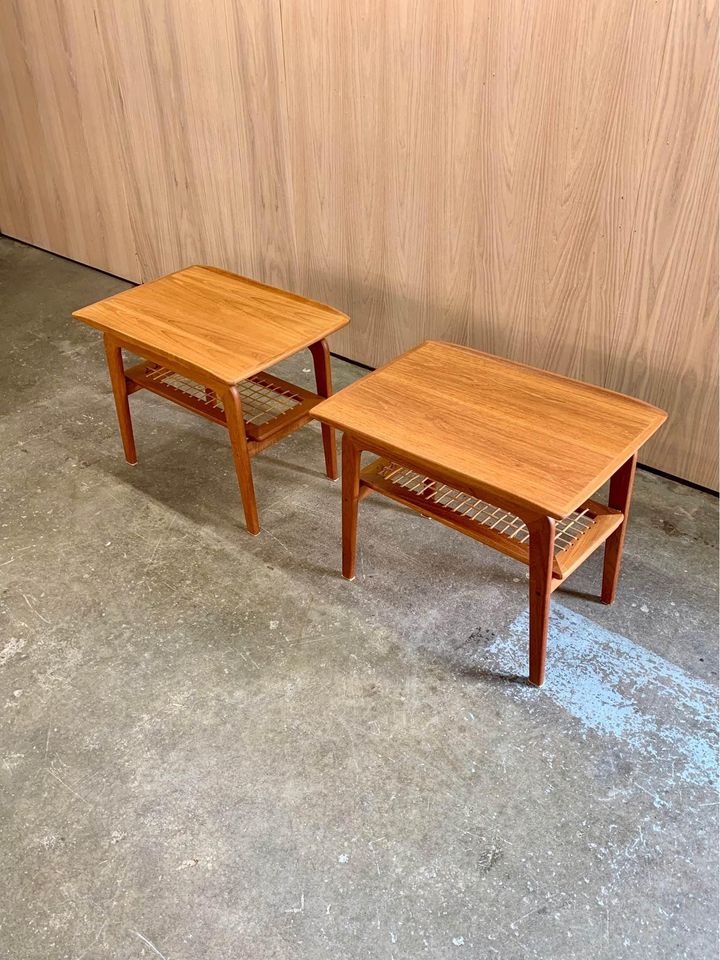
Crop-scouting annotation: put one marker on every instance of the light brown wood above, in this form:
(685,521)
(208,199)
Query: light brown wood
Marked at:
(277,425)
(350,500)
(372,480)
(241,457)
(499,531)
(621,487)
(113,355)
(227,326)
(542,533)
(495,174)
(205,335)
(201,122)
(536,180)
(62,178)
(323,380)
(665,340)
(524,437)
(607,521)
(461,436)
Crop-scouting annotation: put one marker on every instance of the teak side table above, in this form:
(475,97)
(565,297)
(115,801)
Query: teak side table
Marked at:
(206,336)
(502,452)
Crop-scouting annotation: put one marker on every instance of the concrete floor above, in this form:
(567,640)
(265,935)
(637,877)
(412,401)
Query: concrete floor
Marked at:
(213,747)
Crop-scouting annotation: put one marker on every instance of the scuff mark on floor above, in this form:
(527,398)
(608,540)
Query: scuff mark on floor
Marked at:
(619,688)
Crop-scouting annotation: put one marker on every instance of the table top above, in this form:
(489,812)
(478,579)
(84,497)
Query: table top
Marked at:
(215,321)
(533,439)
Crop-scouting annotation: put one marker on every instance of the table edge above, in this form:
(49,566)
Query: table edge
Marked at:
(557,510)
(549,374)
(140,347)
(289,294)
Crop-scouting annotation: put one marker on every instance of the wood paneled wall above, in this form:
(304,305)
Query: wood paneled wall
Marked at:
(535,179)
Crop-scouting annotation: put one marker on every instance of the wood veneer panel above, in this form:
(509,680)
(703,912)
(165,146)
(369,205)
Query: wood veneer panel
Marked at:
(475,171)
(201,119)
(467,170)
(535,180)
(387,112)
(61,175)
(665,345)
(562,155)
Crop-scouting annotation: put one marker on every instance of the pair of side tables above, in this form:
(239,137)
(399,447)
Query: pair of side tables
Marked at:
(504,453)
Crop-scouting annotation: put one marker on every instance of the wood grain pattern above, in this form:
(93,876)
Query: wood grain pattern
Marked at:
(446,420)
(534,441)
(619,497)
(201,118)
(217,322)
(481,143)
(387,108)
(535,180)
(542,534)
(62,182)
(488,161)
(113,356)
(489,525)
(557,79)
(665,341)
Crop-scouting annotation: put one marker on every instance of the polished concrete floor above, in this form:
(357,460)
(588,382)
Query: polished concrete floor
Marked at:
(213,747)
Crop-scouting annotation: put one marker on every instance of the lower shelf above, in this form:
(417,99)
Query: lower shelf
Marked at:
(270,405)
(576,536)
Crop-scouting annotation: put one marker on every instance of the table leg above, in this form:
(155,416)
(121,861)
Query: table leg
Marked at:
(323,379)
(542,540)
(113,354)
(350,500)
(621,486)
(241,456)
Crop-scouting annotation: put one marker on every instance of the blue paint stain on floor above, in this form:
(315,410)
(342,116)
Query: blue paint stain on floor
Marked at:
(620,689)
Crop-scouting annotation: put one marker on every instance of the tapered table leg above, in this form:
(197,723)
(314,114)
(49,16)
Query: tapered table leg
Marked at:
(323,380)
(350,500)
(113,354)
(542,540)
(241,456)
(621,487)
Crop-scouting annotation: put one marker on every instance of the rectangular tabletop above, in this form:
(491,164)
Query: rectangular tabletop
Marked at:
(216,321)
(534,439)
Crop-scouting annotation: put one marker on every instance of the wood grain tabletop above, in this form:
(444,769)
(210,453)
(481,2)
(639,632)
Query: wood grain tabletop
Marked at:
(213,320)
(538,439)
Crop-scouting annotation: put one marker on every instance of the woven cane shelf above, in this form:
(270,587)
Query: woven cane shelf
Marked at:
(576,536)
(270,405)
